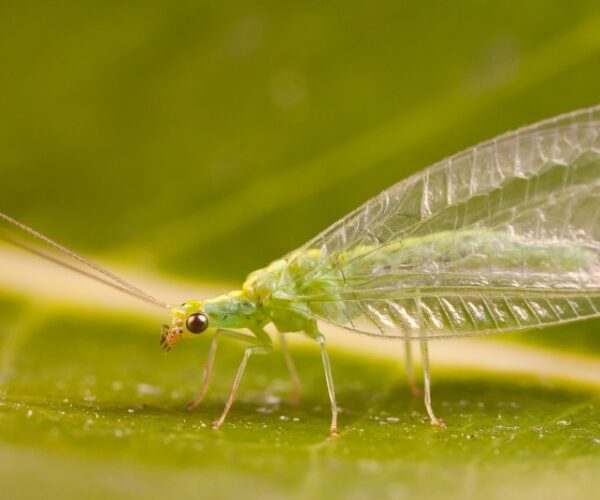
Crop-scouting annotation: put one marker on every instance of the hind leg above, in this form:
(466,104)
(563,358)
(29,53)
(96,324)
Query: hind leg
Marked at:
(410,369)
(427,385)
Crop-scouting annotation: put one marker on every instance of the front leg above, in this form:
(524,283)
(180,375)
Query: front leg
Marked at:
(206,375)
(257,349)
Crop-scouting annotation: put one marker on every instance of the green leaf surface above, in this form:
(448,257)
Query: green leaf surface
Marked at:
(206,139)
(90,406)
(210,138)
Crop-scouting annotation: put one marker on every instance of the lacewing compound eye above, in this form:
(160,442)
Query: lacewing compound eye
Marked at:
(197,323)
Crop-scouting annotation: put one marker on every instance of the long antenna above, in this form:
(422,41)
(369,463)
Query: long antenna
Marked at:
(113,280)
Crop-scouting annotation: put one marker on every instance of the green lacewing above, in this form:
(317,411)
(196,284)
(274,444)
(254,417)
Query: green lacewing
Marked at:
(504,236)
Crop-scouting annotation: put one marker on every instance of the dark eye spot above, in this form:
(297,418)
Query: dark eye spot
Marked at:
(197,323)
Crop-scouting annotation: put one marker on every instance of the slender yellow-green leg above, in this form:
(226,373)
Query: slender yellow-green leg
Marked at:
(257,349)
(410,371)
(320,339)
(297,386)
(427,384)
(425,363)
(212,351)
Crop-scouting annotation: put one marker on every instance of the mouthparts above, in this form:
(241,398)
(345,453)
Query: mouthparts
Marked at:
(169,336)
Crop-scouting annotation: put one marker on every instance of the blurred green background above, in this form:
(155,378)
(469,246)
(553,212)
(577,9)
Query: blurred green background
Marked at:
(208,138)
(204,139)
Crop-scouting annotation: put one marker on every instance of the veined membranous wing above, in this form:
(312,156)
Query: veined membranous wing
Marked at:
(503,236)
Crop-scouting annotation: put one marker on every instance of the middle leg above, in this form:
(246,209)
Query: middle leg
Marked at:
(297,386)
(206,374)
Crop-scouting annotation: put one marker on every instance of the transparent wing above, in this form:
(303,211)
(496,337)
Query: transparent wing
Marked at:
(502,236)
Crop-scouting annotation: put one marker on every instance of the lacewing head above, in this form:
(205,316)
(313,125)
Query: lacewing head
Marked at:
(187,320)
